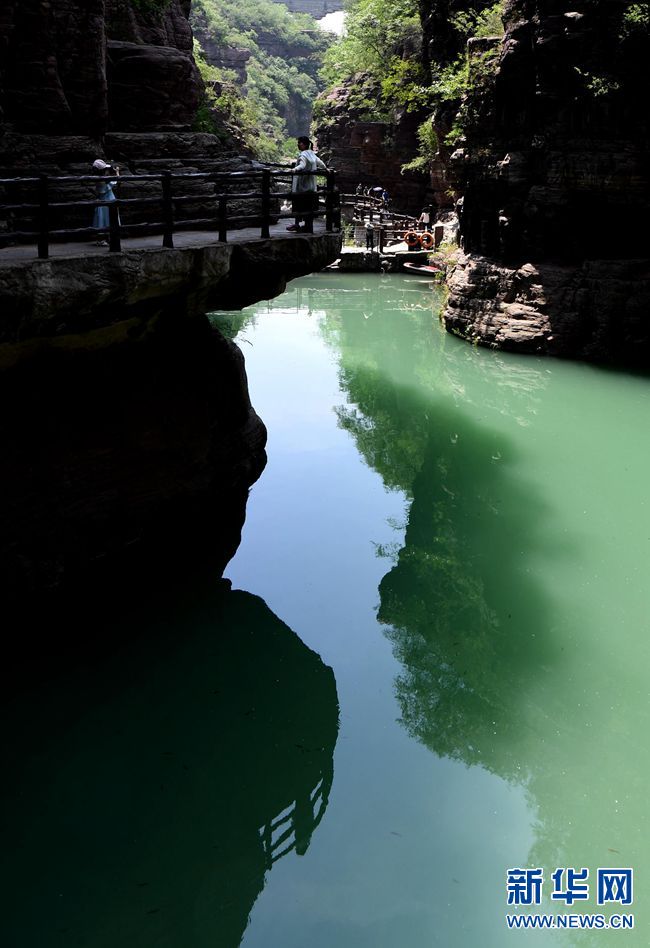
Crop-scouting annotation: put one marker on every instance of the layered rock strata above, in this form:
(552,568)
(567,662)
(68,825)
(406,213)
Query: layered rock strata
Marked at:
(72,67)
(554,176)
(369,152)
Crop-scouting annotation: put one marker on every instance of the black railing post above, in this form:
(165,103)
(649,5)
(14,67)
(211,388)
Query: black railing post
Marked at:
(223,218)
(329,201)
(43,218)
(266,202)
(114,239)
(309,201)
(168,210)
(380,243)
(337,203)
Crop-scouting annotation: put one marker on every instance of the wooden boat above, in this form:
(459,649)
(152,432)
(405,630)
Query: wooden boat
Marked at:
(422,268)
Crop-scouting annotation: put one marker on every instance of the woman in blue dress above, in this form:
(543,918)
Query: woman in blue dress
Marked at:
(104,192)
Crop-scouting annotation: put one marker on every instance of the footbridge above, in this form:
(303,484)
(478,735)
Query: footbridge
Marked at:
(208,240)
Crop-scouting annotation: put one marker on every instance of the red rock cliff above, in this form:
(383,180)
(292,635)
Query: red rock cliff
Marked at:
(83,67)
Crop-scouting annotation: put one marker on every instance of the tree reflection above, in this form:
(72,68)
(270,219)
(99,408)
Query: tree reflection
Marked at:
(484,680)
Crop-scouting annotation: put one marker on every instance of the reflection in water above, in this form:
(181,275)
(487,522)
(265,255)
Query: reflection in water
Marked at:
(458,607)
(509,661)
(151,793)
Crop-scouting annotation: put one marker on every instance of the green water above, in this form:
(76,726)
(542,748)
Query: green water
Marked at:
(463,538)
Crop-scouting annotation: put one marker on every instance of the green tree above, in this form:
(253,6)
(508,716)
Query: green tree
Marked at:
(286,51)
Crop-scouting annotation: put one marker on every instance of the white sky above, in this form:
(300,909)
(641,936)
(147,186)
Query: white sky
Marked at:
(333,22)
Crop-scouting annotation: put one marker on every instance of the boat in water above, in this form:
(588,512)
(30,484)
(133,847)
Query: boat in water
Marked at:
(422,268)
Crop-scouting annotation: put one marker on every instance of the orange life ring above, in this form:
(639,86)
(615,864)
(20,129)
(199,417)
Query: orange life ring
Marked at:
(426,240)
(412,239)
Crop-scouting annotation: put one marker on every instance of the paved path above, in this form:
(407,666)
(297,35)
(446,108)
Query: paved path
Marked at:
(190,238)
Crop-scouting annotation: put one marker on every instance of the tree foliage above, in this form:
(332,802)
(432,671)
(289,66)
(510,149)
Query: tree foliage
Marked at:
(378,35)
(383,41)
(277,84)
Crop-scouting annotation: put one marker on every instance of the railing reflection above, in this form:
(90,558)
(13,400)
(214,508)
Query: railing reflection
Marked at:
(299,821)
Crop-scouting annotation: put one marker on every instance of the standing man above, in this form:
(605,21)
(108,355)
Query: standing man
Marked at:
(303,186)
(370,236)
(424,220)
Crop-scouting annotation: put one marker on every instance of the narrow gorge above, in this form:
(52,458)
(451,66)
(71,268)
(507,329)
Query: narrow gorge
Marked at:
(529,120)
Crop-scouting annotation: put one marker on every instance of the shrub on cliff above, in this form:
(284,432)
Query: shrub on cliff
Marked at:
(378,36)
(286,51)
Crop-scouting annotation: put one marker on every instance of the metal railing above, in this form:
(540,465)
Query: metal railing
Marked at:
(210,209)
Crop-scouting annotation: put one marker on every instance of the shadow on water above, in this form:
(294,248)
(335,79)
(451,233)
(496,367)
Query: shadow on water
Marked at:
(467,621)
(494,670)
(152,787)
(485,677)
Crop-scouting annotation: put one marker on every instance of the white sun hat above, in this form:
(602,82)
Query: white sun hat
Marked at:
(100,165)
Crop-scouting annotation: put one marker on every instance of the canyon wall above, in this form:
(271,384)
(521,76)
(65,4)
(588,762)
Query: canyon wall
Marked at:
(553,172)
(131,442)
(86,66)
(367,151)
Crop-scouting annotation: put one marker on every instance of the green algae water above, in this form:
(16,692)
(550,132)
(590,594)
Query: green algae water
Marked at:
(430,665)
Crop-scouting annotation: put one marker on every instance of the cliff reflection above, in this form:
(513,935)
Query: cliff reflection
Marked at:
(150,795)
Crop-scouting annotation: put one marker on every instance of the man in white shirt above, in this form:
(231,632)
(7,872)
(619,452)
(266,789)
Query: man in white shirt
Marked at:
(303,186)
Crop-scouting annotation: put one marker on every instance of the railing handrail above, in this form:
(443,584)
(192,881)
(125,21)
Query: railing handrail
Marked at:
(158,175)
(43,205)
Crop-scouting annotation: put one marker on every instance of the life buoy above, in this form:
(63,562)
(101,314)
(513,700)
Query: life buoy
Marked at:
(426,240)
(412,239)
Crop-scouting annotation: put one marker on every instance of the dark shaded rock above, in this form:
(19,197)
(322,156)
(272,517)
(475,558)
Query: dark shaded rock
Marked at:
(150,87)
(53,69)
(168,25)
(41,299)
(24,155)
(99,472)
(132,442)
(141,148)
(554,173)
(271,264)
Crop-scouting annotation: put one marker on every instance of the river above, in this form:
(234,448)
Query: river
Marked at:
(462,537)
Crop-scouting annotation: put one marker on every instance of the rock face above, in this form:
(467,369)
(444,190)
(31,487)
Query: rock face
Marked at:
(52,71)
(157,73)
(554,175)
(57,79)
(127,445)
(132,442)
(369,152)
(597,311)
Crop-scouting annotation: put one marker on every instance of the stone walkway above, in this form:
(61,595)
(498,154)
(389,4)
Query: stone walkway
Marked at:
(194,238)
